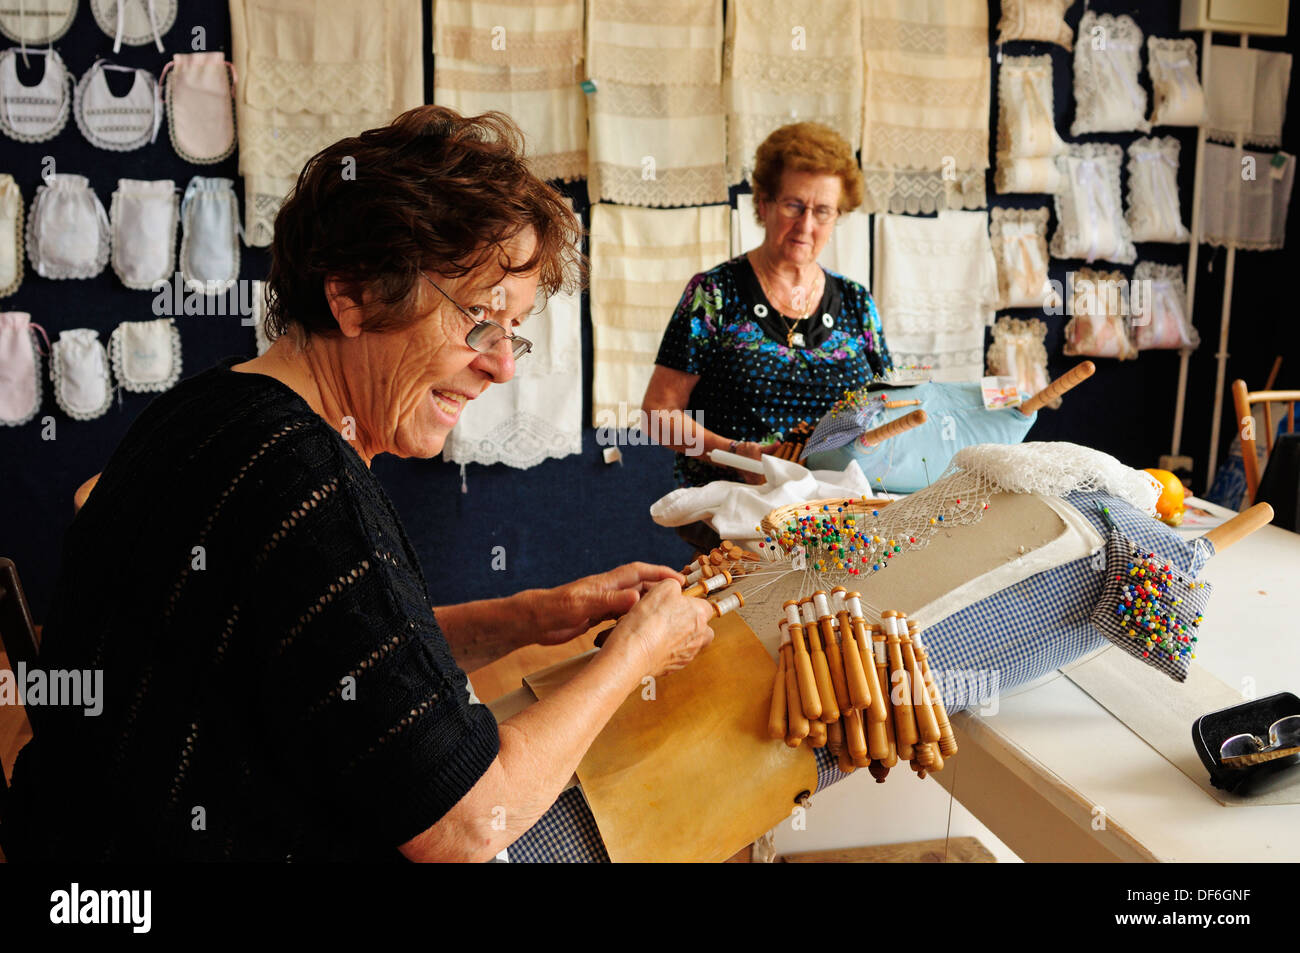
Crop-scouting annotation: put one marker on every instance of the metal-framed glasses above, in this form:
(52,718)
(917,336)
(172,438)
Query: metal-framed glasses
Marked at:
(1283,733)
(486,333)
(822,214)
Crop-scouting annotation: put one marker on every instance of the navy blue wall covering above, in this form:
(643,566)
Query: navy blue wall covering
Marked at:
(570,517)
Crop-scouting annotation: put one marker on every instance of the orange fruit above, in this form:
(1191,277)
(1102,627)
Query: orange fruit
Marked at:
(1170,505)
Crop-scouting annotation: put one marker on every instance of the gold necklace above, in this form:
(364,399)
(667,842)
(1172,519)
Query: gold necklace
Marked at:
(792,338)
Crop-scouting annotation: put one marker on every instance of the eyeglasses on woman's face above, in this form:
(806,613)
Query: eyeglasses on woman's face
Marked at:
(822,214)
(486,333)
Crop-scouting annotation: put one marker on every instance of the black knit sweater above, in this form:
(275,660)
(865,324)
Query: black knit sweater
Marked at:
(275,684)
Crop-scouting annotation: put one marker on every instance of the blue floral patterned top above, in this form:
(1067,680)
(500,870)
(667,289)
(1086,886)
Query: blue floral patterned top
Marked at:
(751,383)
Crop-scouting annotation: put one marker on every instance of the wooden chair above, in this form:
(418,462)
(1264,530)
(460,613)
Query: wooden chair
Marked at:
(83,492)
(1243,400)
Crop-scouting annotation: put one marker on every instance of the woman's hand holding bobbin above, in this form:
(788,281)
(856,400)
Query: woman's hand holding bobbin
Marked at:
(664,630)
(755,451)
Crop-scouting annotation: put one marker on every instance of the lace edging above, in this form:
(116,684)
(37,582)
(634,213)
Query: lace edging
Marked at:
(78,97)
(1247,139)
(20,249)
(57,377)
(65,107)
(1088,98)
(34,243)
(119,360)
(100,10)
(116,244)
(40,384)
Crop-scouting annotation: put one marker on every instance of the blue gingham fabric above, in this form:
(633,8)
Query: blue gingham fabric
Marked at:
(1021,633)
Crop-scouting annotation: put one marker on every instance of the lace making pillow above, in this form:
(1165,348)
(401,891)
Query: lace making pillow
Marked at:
(36,21)
(1027,175)
(1176,88)
(1098,327)
(1026,121)
(38,112)
(1035,20)
(1090,222)
(1017,351)
(79,370)
(1106,62)
(1019,238)
(143,216)
(135,22)
(200,95)
(117,123)
(11,235)
(146,355)
(1153,211)
(1160,314)
(67,230)
(20,369)
(210,234)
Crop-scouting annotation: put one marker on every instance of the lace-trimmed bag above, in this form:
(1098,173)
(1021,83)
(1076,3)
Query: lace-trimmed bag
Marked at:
(200,95)
(11,235)
(1027,175)
(1176,88)
(79,370)
(135,22)
(1035,20)
(67,230)
(1018,351)
(1154,214)
(20,368)
(1107,59)
(1026,122)
(1097,327)
(1019,238)
(210,234)
(1091,224)
(143,215)
(36,21)
(38,112)
(117,123)
(146,355)
(1160,313)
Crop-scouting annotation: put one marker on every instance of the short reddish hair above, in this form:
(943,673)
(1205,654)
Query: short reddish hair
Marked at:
(807,147)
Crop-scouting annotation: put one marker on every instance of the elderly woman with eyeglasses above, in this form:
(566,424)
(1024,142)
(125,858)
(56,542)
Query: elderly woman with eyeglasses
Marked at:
(770,338)
(276,684)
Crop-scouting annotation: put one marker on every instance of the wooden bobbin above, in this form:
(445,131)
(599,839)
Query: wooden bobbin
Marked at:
(778,724)
(834,660)
(809,700)
(727,603)
(710,584)
(890,758)
(845,762)
(927,725)
(855,738)
(879,771)
(871,662)
(854,675)
(821,668)
(835,737)
(817,733)
(900,691)
(947,737)
(797,726)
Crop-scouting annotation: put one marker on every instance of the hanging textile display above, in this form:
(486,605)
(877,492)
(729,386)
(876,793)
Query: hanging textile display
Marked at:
(1018,351)
(1098,326)
(209,260)
(11,235)
(143,216)
(1019,242)
(20,368)
(1090,224)
(1042,20)
(1107,58)
(925,132)
(146,355)
(36,21)
(936,287)
(1247,95)
(640,261)
(1160,317)
(1177,97)
(117,123)
(1245,197)
(1154,214)
(784,64)
(313,74)
(847,251)
(135,22)
(79,371)
(1027,141)
(38,112)
(533,73)
(199,90)
(67,229)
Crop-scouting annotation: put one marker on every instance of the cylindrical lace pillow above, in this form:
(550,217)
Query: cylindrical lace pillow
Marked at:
(200,93)
(1160,316)
(146,355)
(20,369)
(1090,222)
(38,112)
(67,230)
(1178,99)
(144,218)
(1154,214)
(1099,327)
(1107,58)
(11,235)
(79,370)
(210,234)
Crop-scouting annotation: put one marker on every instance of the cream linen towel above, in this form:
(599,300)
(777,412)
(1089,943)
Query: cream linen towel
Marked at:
(640,261)
(1247,94)
(655,42)
(1245,212)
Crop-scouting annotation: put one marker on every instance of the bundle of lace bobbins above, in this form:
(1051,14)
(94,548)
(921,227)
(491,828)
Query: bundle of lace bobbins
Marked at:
(714,571)
(863,690)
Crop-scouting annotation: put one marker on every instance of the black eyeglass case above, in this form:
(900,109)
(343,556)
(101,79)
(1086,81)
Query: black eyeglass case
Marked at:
(1211,730)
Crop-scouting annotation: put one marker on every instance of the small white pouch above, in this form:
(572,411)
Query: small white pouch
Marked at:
(1159,303)
(1026,123)
(79,370)
(146,355)
(38,112)
(20,368)
(36,21)
(1154,214)
(144,216)
(1178,99)
(117,123)
(1098,326)
(210,234)
(200,94)
(1090,220)
(1019,238)
(11,235)
(67,229)
(1107,58)
(134,22)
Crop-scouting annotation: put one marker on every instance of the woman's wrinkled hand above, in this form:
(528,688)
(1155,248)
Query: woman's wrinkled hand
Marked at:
(568,611)
(664,630)
(755,451)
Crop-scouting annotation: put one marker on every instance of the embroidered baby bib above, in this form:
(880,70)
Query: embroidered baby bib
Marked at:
(117,123)
(37,112)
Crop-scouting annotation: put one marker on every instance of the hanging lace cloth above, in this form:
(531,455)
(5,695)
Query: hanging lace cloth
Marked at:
(925,135)
(1159,299)
(1098,326)
(117,123)
(1027,140)
(315,73)
(1018,351)
(146,355)
(1177,96)
(1042,20)
(847,251)
(20,368)
(936,287)
(1107,58)
(11,235)
(1019,241)
(1090,223)
(143,217)
(499,61)
(786,63)
(1247,95)
(36,21)
(1154,214)
(38,112)
(639,260)
(135,22)
(1245,197)
(67,229)
(79,371)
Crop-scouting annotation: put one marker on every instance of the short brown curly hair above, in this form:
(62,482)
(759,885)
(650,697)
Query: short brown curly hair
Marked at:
(806,147)
(431,191)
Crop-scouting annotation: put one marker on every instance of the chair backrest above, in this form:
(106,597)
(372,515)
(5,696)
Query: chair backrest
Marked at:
(1243,400)
(83,493)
